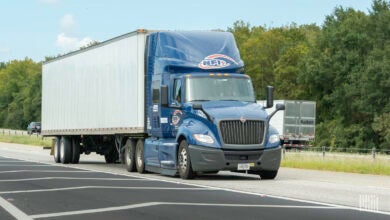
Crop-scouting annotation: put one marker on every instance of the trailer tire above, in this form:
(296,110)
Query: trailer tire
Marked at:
(268,174)
(65,149)
(184,161)
(56,150)
(130,155)
(139,156)
(75,151)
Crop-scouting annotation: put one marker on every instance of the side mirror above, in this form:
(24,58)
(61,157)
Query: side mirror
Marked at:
(270,97)
(280,107)
(164,96)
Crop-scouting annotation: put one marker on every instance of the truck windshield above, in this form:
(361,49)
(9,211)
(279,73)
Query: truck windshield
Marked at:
(219,88)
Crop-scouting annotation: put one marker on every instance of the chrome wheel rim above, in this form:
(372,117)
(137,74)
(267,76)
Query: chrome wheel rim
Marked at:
(183,160)
(62,150)
(139,156)
(56,150)
(128,159)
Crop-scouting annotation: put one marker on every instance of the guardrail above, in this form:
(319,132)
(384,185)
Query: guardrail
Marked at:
(347,152)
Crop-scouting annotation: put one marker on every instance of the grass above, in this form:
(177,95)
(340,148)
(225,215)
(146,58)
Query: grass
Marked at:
(351,163)
(26,139)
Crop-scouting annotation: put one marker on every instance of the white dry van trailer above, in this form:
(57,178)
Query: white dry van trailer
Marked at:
(83,94)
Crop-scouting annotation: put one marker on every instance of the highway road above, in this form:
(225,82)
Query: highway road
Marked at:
(33,187)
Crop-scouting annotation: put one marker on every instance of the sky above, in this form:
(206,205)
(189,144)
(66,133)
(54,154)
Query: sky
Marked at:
(40,28)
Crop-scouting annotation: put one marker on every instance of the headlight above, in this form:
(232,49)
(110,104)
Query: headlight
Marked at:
(204,138)
(273,138)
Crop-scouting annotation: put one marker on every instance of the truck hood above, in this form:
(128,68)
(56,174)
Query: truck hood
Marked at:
(220,110)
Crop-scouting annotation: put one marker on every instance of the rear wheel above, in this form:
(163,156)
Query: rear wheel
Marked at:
(130,155)
(75,150)
(268,174)
(185,167)
(112,156)
(139,156)
(56,153)
(65,149)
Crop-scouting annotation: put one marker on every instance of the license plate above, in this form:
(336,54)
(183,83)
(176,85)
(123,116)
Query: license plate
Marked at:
(243,166)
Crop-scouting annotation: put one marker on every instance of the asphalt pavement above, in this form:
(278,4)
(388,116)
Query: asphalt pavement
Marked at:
(33,190)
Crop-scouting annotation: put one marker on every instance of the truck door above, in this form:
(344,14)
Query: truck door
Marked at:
(176,103)
(155,109)
(151,144)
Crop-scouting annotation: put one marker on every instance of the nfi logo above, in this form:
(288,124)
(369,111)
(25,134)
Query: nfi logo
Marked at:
(216,61)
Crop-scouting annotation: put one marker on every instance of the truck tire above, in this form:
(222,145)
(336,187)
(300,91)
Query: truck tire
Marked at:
(112,156)
(56,152)
(268,174)
(184,161)
(130,155)
(139,156)
(65,149)
(75,151)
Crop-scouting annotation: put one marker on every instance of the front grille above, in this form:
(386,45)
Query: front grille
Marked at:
(245,133)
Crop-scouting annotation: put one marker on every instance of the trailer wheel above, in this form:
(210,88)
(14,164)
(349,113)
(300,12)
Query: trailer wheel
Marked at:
(139,156)
(57,150)
(75,150)
(130,155)
(268,174)
(65,149)
(184,160)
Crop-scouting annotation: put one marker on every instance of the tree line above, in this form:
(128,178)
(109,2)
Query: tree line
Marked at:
(343,65)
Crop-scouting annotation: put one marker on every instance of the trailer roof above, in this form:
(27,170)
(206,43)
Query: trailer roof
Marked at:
(99,44)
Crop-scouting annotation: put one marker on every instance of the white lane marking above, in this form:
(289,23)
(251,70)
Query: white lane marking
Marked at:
(75,166)
(103,187)
(148,204)
(46,171)
(57,214)
(14,161)
(70,178)
(13,210)
(27,165)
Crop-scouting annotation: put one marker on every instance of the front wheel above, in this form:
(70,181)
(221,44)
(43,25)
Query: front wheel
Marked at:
(185,167)
(268,174)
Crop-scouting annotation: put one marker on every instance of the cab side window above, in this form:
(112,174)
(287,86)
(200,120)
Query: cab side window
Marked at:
(177,91)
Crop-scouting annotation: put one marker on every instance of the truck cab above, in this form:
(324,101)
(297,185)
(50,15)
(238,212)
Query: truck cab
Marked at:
(201,111)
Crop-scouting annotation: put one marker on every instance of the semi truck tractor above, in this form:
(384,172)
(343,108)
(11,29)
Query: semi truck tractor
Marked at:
(296,125)
(170,102)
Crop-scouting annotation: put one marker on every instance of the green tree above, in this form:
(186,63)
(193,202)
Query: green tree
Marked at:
(273,56)
(347,73)
(20,93)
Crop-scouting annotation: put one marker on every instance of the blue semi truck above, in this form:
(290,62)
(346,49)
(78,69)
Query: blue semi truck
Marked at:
(170,102)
